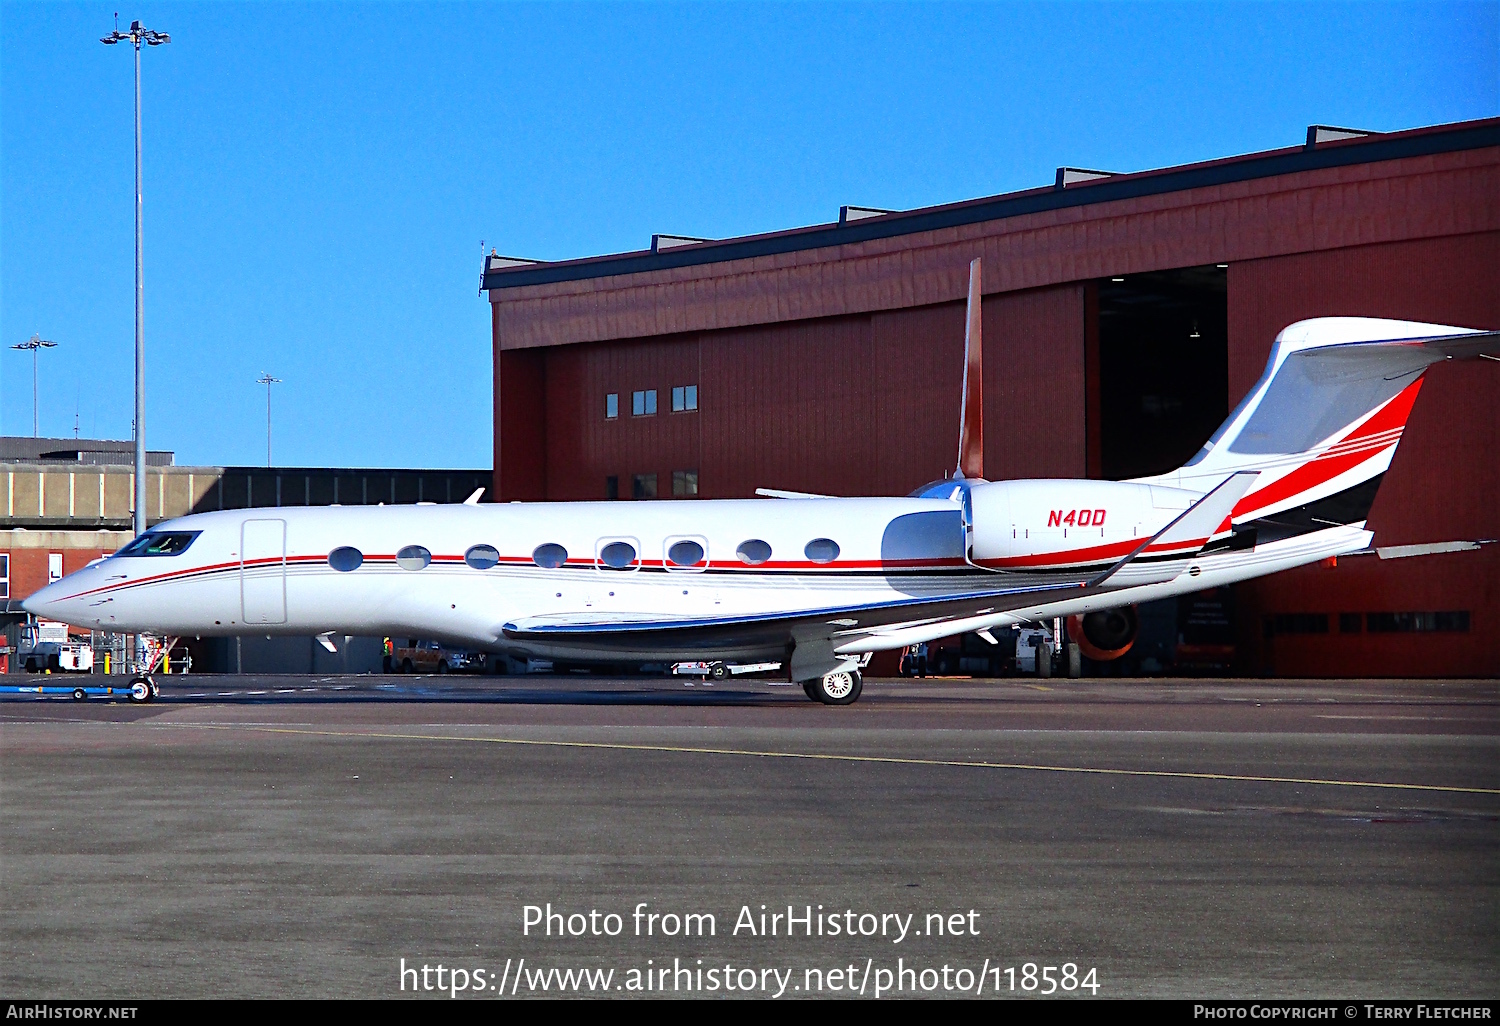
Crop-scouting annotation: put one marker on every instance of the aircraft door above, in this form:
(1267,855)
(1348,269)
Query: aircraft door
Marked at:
(263,571)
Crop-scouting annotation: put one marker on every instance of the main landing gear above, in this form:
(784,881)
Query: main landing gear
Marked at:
(837,687)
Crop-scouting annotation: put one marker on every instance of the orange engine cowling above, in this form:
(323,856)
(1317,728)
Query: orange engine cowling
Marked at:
(1105,634)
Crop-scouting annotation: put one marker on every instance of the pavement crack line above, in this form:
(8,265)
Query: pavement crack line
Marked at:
(888,760)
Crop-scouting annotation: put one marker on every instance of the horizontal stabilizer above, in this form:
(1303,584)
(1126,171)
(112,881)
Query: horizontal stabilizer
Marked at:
(1430,549)
(1192,530)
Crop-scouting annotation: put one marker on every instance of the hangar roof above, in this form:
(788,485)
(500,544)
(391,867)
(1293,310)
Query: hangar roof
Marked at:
(507,273)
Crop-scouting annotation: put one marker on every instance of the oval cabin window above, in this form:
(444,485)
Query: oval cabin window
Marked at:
(482,557)
(685,553)
(413,557)
(345,558)
(549,556)
(617,555)
(822,550)
(753,552)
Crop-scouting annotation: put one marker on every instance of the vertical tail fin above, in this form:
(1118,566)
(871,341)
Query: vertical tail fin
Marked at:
(1328,412)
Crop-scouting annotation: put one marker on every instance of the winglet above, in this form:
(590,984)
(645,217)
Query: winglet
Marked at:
(971,413)
(777,493)
(1200,522)
(473,500)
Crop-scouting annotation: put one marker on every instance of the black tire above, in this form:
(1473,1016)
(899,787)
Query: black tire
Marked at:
(442,666)
(718,671)
(807,686)
(80,695)
(837,687)
(30,665)
(1075,660)
(406,666)
(140,690)
(1044,661)
(54,664)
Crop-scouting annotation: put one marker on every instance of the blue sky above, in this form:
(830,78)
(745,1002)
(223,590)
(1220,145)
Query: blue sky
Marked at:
(318,177)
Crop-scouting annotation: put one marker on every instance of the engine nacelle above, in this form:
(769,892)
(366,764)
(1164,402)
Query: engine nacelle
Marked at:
(1105,633)
(1044,524)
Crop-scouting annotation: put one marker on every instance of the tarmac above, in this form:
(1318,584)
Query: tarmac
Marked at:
(302,836)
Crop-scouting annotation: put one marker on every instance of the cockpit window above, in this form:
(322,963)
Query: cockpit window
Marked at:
(160,543)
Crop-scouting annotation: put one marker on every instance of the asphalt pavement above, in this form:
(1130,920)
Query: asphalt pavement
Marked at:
(302,836)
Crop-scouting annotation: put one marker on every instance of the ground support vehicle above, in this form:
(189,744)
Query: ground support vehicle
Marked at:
(140,689)
(418,656)
(719,670)
(58,656)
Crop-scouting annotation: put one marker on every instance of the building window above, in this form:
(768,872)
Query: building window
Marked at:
(1391,623)
(643,404)
(1296,623)
(612,406)
(54,567)
(644,487)
(684,482)
(684,398)
(5,575)
(612,487)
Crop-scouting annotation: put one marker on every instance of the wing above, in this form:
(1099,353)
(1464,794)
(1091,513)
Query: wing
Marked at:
(648,636)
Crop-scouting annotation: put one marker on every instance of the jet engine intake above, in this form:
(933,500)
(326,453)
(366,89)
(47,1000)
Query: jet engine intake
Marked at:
(1106,633)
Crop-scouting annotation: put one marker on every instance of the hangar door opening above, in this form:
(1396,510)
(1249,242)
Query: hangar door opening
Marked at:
(1163,368)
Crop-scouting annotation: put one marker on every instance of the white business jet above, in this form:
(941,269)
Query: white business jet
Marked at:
(818,583)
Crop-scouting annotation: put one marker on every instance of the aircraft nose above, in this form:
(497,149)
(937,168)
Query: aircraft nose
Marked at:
(47,603)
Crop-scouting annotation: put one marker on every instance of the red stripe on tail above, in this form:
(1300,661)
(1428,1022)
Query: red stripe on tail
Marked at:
(1330,465)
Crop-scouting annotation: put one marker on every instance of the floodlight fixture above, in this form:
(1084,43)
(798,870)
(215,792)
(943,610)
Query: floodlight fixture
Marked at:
(34,343)
(137,35)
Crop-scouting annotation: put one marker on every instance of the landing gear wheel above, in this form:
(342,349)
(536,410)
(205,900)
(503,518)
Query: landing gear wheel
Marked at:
(79,694)
(1044,661)
(837,687)
(718,671)
(140,690)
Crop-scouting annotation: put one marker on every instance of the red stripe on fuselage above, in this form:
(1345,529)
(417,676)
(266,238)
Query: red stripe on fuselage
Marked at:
(1092,554)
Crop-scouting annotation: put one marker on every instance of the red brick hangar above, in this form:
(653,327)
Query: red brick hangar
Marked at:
(1124,316)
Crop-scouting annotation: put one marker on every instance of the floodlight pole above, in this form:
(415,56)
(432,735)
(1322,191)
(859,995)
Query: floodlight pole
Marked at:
(137,35)
(268,381)
(34,343)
